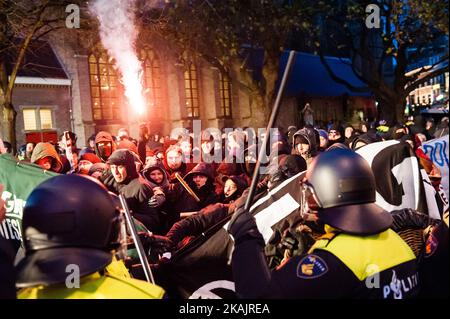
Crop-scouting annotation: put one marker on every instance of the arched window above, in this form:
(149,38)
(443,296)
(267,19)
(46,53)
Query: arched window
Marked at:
(152,80)
(191,92)
(104,87)
(225,95)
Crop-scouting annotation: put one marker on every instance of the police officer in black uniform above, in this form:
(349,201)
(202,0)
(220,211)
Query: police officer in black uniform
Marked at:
(358,257)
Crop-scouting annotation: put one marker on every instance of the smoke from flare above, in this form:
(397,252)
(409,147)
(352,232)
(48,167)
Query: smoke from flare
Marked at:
(118,34)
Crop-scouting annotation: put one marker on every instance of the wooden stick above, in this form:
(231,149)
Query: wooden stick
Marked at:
(186,187)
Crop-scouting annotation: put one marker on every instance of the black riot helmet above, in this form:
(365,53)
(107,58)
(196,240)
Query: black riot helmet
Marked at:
(67,220)
(340,186)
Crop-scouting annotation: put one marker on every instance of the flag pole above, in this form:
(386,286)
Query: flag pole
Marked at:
(272,118)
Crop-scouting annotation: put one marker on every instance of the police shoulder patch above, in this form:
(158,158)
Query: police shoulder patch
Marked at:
(311,267)
(431,245)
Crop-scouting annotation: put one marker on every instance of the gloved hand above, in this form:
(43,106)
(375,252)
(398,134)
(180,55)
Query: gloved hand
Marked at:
(158,198)
(158,244)
(243,227)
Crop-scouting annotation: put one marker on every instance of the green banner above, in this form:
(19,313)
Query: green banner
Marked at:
(19,179)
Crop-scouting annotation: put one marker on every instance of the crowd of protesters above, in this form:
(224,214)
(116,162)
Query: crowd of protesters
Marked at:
(150,171)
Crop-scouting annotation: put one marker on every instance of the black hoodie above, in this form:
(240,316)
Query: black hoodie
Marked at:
(136,189)
(340,129)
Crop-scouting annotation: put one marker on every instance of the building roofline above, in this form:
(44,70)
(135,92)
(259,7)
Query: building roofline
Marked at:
(42,81)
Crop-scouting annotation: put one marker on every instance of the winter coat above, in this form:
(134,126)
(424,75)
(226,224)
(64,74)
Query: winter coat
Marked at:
(136,190)
(181,201)
(207,192)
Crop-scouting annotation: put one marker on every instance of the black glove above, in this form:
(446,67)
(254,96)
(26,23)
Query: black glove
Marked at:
(243,227)
(158,244)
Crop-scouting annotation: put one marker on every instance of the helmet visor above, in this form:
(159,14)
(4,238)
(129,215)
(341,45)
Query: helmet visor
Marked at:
(310,202)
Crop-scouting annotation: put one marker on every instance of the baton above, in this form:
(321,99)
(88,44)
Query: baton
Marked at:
(272,118)
(186,187)
(137,241)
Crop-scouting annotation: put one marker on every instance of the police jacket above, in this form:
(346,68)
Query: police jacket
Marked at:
(339,265)
(111,283)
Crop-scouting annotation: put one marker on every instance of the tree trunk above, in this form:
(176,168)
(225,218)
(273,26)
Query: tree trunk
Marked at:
(392,111)
(9,124)
(399,110)
(260,111)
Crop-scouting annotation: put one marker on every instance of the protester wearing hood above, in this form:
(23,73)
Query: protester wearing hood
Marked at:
(350,134)
(305,144)
(45,155)
(104,145)
(135,188)
(158,179)
(227,168)
(201,180)
(363,140)
(335,135)
(157,176)
(323,140)
(348,131)
(233,188)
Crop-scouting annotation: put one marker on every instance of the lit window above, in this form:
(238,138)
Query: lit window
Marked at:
(152,80)
(225,95)
(29,120)
(46,119)
(37,119)
(191,92)
(104,87)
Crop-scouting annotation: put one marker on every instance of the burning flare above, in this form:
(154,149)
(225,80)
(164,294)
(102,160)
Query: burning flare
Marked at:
(118,34)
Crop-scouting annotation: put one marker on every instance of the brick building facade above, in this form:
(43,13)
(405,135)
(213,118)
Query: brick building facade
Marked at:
(87,95)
